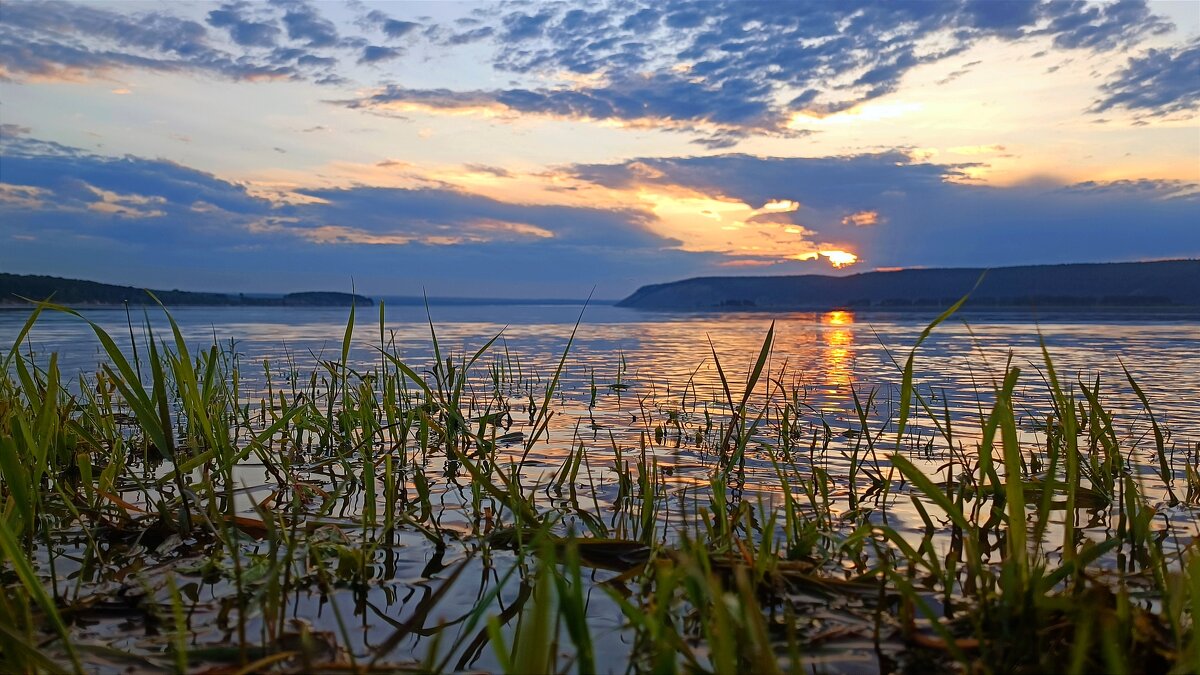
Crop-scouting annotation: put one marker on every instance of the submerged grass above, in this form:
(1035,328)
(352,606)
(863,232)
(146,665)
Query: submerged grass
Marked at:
(130,537)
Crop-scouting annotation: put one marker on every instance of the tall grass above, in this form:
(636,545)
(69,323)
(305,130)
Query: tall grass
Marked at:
(401,522)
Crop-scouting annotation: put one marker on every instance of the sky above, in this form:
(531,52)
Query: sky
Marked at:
(520,149)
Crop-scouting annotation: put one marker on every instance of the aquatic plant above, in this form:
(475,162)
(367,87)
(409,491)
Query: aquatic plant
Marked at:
(384,514)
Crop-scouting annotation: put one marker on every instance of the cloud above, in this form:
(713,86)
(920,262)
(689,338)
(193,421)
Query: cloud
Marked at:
(126,205)
(819,183)
(244,32)
(1101,26)
(861,218)
(724,71)
(13,130)
(68,180)
(718,117)
(1161,82)
(475,232)
(1158,189)
(23,196)
(57,40)
(78,210)
(77,179)
(305,24)
(623,224)
(932,217)
(520,26)
(719,71)
(376,54)
(392,28)
(444,216)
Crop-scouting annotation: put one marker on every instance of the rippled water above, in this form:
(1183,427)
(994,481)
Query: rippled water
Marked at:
(656,387)
(663,367)
(826,355)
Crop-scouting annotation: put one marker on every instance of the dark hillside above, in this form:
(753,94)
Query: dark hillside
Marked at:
(75,292)
(1174,283)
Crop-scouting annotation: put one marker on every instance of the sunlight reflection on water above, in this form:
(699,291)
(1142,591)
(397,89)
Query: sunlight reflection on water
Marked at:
(662,363)
(825,355)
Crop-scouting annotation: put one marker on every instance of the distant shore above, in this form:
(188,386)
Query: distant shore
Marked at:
(1145,286)
(16,290)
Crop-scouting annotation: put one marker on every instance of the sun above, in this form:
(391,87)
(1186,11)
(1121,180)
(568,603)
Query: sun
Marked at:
(840,259)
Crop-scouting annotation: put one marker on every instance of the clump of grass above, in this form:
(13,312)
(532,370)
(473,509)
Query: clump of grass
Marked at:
(402,523)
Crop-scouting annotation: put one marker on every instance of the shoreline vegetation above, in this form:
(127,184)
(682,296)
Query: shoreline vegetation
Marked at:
(405,519)
(1172,285)
(1168,287)
(15,288)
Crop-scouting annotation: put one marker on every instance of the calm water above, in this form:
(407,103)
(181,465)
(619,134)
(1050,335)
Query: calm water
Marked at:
(662,363)
(663,368)
(827,355)
(655,385)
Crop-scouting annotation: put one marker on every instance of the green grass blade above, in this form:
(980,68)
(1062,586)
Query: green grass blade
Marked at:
(906,387)
(1159,440)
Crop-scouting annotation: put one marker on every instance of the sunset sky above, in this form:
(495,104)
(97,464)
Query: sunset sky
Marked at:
(543,149)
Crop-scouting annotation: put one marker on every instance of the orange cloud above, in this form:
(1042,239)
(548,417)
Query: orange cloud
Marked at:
(126,205)
(476,231)
(701,222)
(748,262)
(862,219)
(22,196)
(781,206)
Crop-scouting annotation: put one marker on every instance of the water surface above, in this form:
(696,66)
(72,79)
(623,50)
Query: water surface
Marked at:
(647,385)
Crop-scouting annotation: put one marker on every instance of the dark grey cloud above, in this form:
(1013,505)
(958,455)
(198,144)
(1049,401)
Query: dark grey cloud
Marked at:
(726,69)
(1161,188)
(57,39)
(57,203)
(929,216)
(469,36)
(520,26)
(238,40)
(305,24)
(243,31)
(719,118)
(1081,25)
(70,173)
(72,211)
(77,178)
(393,28)
(821,182)
(376,54)
(719,70)
(1010,16)
(1160,82)
(38,38)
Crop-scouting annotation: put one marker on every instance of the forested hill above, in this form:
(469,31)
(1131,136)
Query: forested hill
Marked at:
(76,292)
(1165,284)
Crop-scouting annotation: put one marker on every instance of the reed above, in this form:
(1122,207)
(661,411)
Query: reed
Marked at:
(405,522)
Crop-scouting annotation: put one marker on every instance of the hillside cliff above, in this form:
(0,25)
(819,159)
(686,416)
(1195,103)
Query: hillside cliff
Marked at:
(1173,283)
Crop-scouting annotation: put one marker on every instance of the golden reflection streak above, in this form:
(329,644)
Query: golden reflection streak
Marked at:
(838,355)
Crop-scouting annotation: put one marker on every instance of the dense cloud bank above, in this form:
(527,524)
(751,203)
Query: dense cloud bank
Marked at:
(57,202)
(719,71)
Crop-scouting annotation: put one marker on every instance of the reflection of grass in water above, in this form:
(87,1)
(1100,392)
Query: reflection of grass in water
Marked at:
(521,572)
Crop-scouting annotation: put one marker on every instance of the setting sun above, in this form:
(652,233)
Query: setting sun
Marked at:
(840,259)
